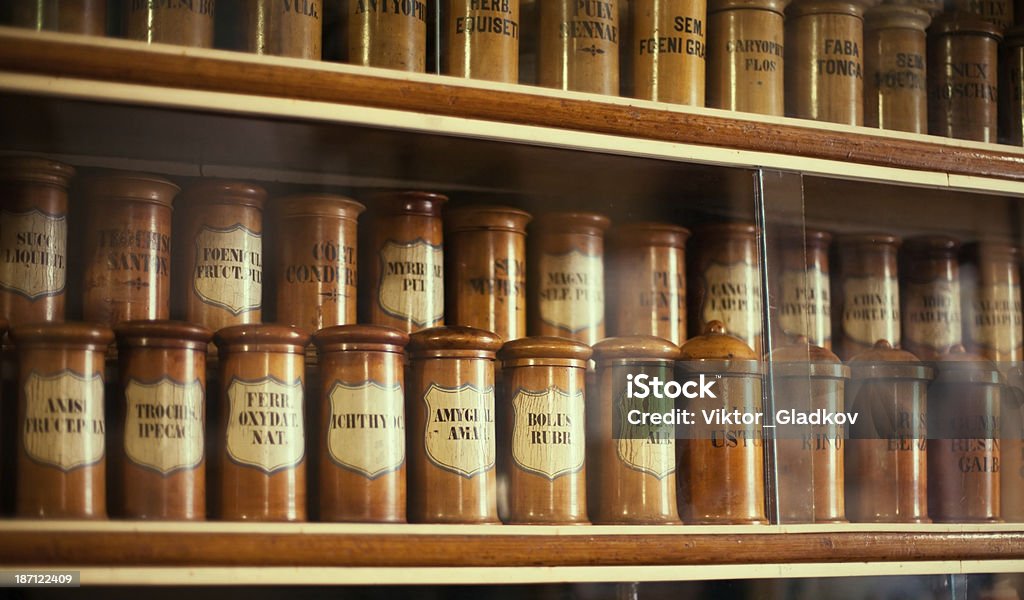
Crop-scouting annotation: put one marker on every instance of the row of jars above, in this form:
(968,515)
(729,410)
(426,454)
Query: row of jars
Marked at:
(849,62)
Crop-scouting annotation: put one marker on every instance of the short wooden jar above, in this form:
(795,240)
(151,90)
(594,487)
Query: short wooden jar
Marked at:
(387,35)
(805,307)
(181,23)
(866,302)
(896,83)
(87,17)
(725,281)
(669,48)
(930,296)
(283,28)
(481,39)
(746,56)
(990,284)
(579,45)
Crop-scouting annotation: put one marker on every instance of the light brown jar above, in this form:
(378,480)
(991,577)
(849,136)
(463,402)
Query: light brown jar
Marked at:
(388,34)
(990,284)
(867,294)
(962,77)
(481,39)
(88,17)
(544,398)
(1011,96)
(487,259)
(579,45)
(964,458)
(896,85)
(723,464)
(998,12)
(568,273)
(669,48)
(746,56)
(647,263)
(181,23)
(62,430)
(127,247)
(317,261)
(362,423)
(824,61)
(887,453)
(809,458)
(160,463)
(33,239)
(930,295)
(632,467)
(406,261)
(451,440)
(221,277)
(725,281)
(805,302)
(290,28)
(263,451)
(1011,482)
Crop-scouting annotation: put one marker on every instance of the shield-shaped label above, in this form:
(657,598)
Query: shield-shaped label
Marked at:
(366,432)
(33,253)
(645,447)
(732,295)
(571,290)
(229,268)
(412,281)
(931,314)
(806,307)
(871,309)
(459,432)
(163,427)
(63,424)
(548,432)
(265,425)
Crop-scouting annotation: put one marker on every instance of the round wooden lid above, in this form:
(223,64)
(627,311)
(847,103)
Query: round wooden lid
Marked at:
(376,338)
(795,235)
(544,347)
(453,342)
(222,191)
(866,240)
(777,6)
(882,361)
(488,218)
(162,334)
(36,170)
(319,205)
(931,246)
(726,231)
(802,359)
(716,344)
(963,23)
(1013,376)
(407,203)
(803,8)
(897,16)
(645,234)
(635,347)
(90,336)
(586,223)
(125,185)
(959,366)
(254,337)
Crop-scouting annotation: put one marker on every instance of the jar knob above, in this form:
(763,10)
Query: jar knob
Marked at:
(714,328)
(883,345)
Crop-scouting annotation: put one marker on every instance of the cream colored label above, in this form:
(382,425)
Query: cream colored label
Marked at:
(647,448)
(229,268)
(366,433)
(459,432)
(996,317)
(806,307)
(548,432)
(163,428)
(63,425)
(265,426)
(871,310)
(412,282)
(33,253)
(932,314)
(572,290)
(733,296)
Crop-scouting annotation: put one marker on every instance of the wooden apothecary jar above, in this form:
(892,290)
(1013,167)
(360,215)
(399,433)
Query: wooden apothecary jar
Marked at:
(181,23)
(669,48)
(87,17)
(391,36)
(746,57)
(283,28)
(1011,484)
(896,84)
(1011,88)
(1000,13)
(61,469)
(805,286)
(725,281)
(362,423)
(930,296)
(579,45)
(481,39)
(990,284)
(866,302)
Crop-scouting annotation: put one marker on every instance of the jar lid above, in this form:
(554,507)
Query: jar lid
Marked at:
(407,203)
(487,218)
(635,348)
(897,16)
(376,338)
(882,361)
(959,366)
(1013,376)
(870,239)
(931,246)
(222,191)
(776,6)
(453,342)
(545,347)
(88,336)
(587,223)
(162,334)
(37,170)
(964,23)
(795,235)
(319,205)
(254,337)
(646,234)
(715,350)
(802,359)
(726,230)
(991,250)
(802,8)
(126,185)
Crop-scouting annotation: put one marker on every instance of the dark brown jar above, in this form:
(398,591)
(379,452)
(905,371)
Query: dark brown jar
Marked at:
(544,412)
(998,12)
(162,447)
(362,423)
(263,451)
(1011,470)
(887,453)
(725,281)
(867,296)
(33,239)
(487,259)
(181,23)
(317,266)
(451,439)
(221,277)
(88,17)
(291,28)
(387,35)
(746,55)
(896,85)
(962,77)
(632,467)
(990,284)
(62,430)
(647,263)
(964,457)
(930,295)
(809,457)
(481,39)
(805,303)
(568,271)
(127,247)
(669,48)
(824,61)
(723,464)
(1011,96)
(579,45)
(406,261)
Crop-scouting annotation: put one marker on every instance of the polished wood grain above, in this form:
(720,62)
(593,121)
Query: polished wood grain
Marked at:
(740,75)
(184,24)
(579,45)
(87,17)
(895,75)
(283,29)
(963,98)
(391,39)
(481,39)
(668,50)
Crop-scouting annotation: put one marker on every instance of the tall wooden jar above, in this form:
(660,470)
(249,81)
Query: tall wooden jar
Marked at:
(647,264)
(1011,88)
(746,56)
(825,61)
(544,413)
(451,438)
(896,83)
(127,247)
(963,87)
(263,453)
(161,453)
(725,281)
(317,261)
(805,307)
(181,23)
(579,45)
(388,35)
(481,39)
(669,48)
(990,284)
(998,12)
(362,423)
(930,295)
(61,469)
(406,261)
(33,239)
(487,260)
(867,297)
(632,466)
(1011,483)
(887,453)
(221,281)
(88,17)
(283,28)
(723,463)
